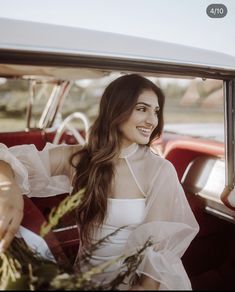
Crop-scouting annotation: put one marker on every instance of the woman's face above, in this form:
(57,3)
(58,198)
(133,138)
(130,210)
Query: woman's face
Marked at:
(142,121)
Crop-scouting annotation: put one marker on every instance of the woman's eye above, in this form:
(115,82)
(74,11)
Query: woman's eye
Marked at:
(141,109)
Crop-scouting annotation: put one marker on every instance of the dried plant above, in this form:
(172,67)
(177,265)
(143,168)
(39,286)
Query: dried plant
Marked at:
(67,205)
(24,269)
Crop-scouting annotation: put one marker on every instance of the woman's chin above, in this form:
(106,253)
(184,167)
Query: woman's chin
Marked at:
(143,141)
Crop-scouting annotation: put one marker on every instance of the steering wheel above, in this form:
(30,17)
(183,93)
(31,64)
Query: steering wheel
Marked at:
(66,125)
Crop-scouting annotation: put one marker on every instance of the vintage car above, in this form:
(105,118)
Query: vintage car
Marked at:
(52,78)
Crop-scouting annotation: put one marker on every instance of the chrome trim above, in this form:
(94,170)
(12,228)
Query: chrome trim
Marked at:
(66,125)
(49,108)
(32,84)
(54,103)
(65,88)
(113,63)
(229,103)
(220,214)
(65,228)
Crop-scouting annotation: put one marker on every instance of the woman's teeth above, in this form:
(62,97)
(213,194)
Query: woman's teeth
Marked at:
(144,131)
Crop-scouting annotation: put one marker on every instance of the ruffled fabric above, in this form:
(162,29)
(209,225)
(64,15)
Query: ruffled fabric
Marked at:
(162,261)
(20,171)
(167,217)
(170,223)
(167,220)
(33,171)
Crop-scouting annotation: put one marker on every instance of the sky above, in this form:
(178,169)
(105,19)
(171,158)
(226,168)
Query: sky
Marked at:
(178,21)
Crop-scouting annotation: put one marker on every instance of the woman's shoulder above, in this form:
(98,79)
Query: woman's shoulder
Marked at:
(155,160)
(150,153)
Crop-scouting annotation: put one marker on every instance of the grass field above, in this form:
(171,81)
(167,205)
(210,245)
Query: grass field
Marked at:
(10,124)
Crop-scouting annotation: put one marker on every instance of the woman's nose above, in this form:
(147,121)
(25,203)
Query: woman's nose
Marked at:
(152,119)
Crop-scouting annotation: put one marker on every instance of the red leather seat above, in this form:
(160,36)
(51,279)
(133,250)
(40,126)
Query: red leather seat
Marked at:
(32,220)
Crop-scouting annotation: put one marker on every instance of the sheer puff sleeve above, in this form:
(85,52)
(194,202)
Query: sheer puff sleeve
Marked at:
(171,225)
(35,172)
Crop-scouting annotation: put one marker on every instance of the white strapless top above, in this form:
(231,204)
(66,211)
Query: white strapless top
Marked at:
(122,212)
(126,213)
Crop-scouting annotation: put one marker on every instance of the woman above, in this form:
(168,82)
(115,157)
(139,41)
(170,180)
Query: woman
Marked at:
(126,185)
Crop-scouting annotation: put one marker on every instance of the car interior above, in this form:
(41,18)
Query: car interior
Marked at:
(199,162)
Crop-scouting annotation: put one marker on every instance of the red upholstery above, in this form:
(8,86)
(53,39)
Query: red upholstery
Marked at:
(209,260)
(33,219)
(63,244)
(182,152)
(36,137)
(209,249)
(68,239)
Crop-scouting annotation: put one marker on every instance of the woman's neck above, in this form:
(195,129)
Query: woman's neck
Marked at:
(128,150)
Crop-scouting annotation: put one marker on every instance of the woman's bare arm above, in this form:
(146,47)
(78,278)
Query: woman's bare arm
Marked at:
(11,205)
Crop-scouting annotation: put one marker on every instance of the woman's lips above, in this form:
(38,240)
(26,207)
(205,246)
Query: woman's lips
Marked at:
(146,132)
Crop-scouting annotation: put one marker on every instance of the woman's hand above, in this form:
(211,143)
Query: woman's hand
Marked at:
(11,206)
(145,283)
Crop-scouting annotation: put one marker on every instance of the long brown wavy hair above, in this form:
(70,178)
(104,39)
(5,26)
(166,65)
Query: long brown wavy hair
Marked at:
(95,168)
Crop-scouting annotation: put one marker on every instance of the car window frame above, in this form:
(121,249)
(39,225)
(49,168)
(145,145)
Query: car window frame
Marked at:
(25,57)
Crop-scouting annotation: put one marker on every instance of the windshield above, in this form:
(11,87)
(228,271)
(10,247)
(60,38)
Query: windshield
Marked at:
(194,107)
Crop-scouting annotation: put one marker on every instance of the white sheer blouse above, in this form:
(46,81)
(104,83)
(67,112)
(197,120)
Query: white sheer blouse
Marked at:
(142,176)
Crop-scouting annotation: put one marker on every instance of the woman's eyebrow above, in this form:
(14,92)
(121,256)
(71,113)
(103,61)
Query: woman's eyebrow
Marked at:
(146,104)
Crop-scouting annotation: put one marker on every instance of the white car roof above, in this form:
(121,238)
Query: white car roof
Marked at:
(42,37)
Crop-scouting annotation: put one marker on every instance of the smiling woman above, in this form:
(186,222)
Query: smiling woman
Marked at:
(143,120)
(134,170)
(117,154)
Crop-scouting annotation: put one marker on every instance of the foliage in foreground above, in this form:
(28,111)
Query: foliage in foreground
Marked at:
(21,268)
